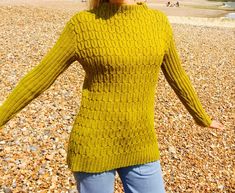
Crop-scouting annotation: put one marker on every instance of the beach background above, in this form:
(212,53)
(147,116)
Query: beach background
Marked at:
(193,158)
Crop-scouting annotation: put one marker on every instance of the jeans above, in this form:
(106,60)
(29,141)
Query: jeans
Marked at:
(141,178)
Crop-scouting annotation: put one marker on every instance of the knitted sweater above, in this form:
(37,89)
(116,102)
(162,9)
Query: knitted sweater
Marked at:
(122,49)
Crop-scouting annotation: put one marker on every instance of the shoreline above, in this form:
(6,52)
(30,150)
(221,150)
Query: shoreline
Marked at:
(205,22)
(177,15)
(200,8)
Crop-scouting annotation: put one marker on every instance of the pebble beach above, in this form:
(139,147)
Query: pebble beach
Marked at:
(33,144)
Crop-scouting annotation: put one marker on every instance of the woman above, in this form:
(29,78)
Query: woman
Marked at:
(122,46)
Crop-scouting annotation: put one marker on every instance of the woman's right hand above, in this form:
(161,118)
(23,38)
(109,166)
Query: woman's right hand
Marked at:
(216,125)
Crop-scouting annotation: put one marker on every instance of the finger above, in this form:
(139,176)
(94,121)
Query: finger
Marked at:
(217,125)
(220,126)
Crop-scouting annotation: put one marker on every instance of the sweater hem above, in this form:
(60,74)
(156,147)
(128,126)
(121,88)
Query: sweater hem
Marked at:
(77,163)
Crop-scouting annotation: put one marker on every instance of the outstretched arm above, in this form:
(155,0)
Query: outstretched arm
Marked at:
(180,82)
(41,77)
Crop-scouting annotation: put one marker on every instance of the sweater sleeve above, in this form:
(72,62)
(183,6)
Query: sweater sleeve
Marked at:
(42,76)
(179,80)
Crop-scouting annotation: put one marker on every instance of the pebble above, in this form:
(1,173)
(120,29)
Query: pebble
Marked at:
(49,157)
(172,149)
(67,117)
(221,187)
(62,152)
(72,191)
(2,142)
(7,190)
(33,148)
(14,184)
(41,171)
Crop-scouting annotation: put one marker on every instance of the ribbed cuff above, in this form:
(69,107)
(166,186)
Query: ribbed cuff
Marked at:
(205,123)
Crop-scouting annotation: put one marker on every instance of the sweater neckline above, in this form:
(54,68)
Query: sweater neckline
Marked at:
(117,7)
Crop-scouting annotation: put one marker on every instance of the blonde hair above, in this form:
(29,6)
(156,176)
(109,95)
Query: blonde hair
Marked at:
(96,3)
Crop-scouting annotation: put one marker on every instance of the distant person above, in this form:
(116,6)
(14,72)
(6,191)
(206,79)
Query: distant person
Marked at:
(168,4)
(177,4)
(114,129)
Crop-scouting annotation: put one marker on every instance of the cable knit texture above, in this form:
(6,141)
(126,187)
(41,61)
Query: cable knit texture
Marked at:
(122,49)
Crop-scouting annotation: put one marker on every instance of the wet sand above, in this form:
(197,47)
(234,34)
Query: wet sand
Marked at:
(199,8)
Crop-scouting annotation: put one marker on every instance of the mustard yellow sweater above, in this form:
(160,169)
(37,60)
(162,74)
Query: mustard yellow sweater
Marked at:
(122,48)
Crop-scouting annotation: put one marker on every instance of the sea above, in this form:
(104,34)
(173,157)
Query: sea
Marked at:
(230,5)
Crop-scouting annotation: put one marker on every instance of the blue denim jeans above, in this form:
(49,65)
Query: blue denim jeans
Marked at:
(142,178)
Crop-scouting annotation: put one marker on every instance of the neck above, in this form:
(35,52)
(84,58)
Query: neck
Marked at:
(132,8)
(122,1)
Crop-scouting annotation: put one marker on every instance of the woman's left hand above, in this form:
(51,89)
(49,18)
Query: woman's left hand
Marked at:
(216,125)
